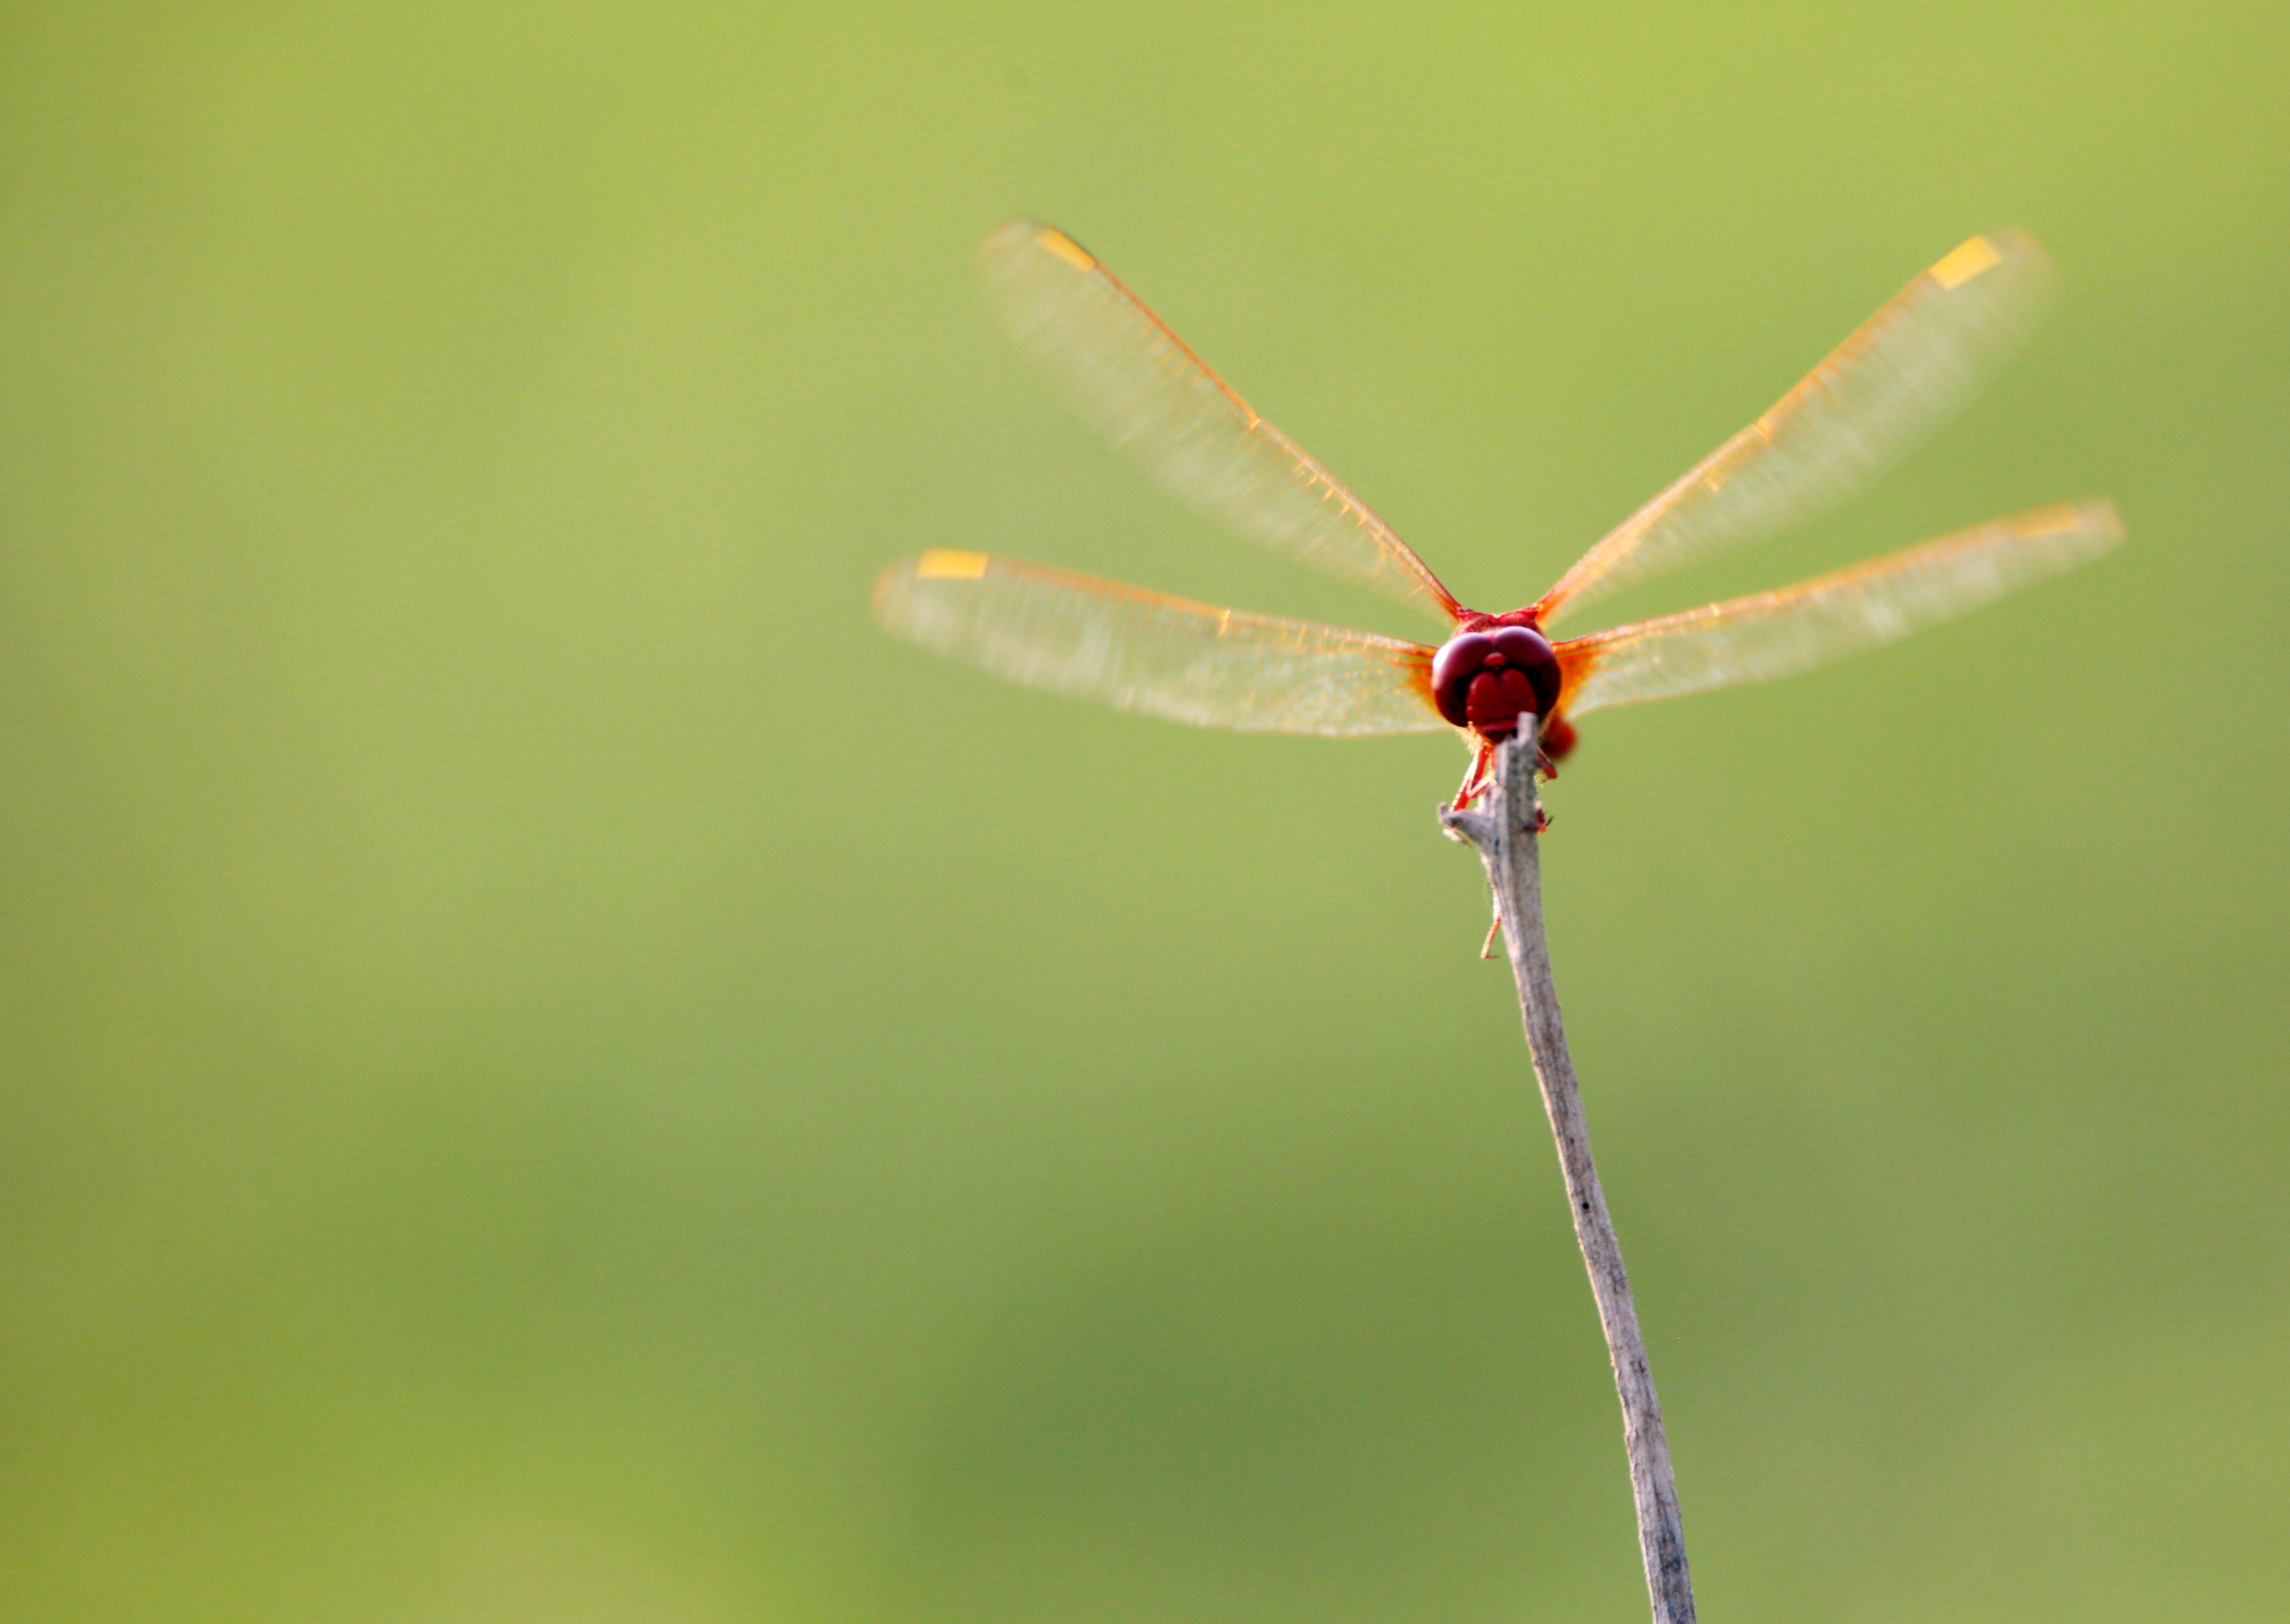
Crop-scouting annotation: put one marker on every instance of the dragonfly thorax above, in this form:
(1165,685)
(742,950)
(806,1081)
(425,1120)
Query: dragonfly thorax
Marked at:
(1489,672)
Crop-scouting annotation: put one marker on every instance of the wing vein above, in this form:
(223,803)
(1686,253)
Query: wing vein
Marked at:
(1147,392)
(1147,651)
(1776,633)
(1902,373)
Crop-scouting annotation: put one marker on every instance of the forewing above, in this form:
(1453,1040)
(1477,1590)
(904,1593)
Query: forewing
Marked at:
(1774,634)
(1141,651)
(1908,370)
(1149,394)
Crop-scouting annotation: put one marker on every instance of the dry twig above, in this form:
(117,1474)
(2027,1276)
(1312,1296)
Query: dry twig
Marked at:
(1504,831)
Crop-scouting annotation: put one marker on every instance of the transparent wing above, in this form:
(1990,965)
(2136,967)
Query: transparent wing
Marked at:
(1774,634)
(1149,394)
(1141,651)
(1907,369)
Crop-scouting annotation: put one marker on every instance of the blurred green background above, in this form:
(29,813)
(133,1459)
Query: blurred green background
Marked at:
(554,1073)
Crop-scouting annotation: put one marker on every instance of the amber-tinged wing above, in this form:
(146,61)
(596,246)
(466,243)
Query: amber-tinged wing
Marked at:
(1907,369)
(1774,634)
(1149,394)
(1140,651)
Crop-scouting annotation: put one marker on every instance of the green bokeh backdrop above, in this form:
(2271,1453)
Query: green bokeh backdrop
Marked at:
(552,1073)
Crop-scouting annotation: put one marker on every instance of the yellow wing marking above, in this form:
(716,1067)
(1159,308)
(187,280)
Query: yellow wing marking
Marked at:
(1074,254)
(946,564)
(1966,260)
(2052,520)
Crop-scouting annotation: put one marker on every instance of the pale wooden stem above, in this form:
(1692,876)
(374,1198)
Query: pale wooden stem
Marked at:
(1505,834)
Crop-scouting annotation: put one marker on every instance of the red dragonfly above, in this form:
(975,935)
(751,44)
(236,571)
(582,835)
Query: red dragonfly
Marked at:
(1904,372)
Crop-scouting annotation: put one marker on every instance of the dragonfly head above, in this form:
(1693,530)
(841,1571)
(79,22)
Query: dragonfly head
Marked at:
(1492,670)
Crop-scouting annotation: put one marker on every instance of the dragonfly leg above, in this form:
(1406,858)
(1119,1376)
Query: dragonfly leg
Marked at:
(1476,777)
(1480,778)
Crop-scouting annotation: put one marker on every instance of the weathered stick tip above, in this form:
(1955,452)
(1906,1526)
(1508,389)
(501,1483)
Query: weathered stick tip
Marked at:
(1475,827)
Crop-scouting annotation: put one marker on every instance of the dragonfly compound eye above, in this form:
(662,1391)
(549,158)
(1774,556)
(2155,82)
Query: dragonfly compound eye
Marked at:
(1483,679)
(1458,661)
